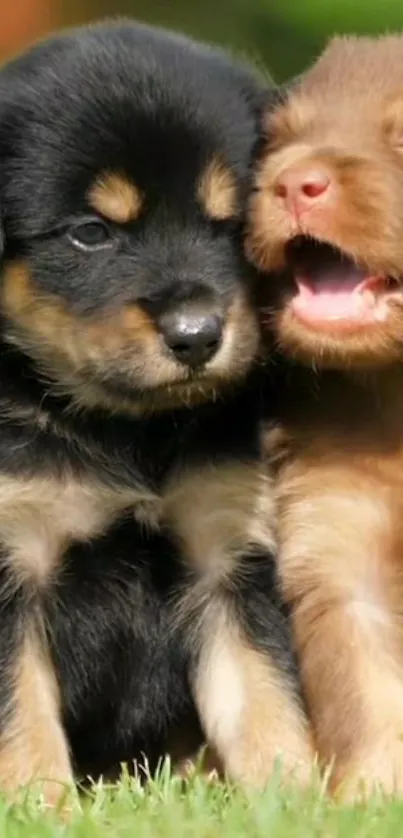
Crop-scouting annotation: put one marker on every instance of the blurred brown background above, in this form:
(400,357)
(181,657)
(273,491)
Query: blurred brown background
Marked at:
(284,35)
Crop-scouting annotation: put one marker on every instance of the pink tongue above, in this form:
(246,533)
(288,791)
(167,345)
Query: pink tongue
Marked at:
(333,296)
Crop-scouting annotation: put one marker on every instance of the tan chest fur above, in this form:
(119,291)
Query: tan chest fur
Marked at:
(216,513)
(340,505)
(40,517)
(341,515)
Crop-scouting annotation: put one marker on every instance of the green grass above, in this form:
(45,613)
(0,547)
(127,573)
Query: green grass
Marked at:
(168,809)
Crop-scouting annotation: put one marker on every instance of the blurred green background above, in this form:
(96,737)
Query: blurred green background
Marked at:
(283,35)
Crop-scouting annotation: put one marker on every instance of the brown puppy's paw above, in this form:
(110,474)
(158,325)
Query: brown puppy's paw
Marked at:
(379,772)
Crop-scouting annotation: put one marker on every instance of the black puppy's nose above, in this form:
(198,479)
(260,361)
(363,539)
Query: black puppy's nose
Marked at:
(193,338)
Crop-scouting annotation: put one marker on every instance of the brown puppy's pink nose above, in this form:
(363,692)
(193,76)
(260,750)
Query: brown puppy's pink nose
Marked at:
(301,188)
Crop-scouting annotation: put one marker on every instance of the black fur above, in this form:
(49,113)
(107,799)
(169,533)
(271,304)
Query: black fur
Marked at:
(156,107)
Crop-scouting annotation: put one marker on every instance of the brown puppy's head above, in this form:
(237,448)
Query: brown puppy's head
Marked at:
(327,211)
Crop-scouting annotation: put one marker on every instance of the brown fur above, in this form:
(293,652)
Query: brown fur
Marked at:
(114,197)
(319,123)
(340,502)
(339,445)
(346,114)
(217,192)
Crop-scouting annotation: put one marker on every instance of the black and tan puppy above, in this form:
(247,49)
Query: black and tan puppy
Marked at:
(329,209)
(128,431)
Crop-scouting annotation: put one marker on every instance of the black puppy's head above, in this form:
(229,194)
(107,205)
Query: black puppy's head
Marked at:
(124,168)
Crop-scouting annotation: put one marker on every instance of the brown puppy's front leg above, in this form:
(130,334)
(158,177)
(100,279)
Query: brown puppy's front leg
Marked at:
(338,575)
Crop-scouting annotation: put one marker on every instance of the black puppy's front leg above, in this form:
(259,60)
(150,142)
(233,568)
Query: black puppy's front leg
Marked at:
(33,746)
(243,673)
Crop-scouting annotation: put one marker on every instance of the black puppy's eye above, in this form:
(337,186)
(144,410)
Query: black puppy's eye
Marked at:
(90,235)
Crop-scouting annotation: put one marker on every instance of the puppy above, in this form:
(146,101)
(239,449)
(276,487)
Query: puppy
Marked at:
(327,219)
(137,553)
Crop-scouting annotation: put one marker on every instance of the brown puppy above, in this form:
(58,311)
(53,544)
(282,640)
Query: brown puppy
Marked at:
(327,219)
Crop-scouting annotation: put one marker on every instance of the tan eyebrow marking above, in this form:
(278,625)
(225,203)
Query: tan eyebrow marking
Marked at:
(115,197)
(217,191)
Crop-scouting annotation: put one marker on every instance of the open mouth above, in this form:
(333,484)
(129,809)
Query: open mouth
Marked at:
(332,291)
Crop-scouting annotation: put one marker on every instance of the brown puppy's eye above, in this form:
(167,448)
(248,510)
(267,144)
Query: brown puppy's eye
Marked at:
(90,235)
